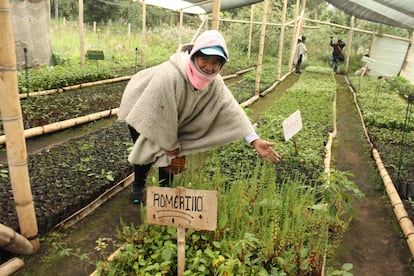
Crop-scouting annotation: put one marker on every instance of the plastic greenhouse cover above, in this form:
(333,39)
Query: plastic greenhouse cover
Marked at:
(397,13)
(191,6)
(389,55)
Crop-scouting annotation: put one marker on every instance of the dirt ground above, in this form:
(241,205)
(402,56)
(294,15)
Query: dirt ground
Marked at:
(374,243)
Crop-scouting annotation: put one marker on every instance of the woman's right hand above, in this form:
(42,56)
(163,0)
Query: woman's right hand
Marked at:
(173,152)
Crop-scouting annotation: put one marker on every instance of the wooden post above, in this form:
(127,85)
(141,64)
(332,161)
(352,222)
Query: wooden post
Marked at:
(302,17)
(294,140)
(144,31)
(407,54)
(281,40)
(11,114)
(181,27)
(294,36)
(81,33)
(216,15)
(56,2)
(261,47)
(249,47)
(180,250)
(349,42)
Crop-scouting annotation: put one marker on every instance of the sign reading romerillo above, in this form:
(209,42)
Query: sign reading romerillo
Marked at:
(182,207)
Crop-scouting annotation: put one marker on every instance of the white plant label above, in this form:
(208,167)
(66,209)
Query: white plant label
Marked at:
(292,125)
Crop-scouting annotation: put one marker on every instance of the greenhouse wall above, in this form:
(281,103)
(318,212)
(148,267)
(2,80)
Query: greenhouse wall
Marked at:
(31,23)
(389,55)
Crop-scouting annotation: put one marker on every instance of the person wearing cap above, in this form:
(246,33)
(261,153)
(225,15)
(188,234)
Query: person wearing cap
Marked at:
(182,107)
(300,54)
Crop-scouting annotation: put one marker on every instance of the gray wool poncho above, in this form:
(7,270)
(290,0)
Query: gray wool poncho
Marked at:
(162,105)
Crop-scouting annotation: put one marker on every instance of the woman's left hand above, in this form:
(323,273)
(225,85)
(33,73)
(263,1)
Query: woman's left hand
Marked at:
(265,150)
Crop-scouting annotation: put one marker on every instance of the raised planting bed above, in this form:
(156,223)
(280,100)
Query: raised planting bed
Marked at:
(47,109)
(67,177)
(277,219)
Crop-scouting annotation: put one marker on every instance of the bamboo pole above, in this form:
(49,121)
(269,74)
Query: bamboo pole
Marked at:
(81,32)
(216,15)
(332,136)
(144,31)
(14,242)
(399,210)
(281,40)
(303,16)
(357,30)
(72,87)
(180,39)
(50,128)
(13,128)
(11,266)
(253,22)
(249,47)
(261,48)
(407,53)
(297,33)
(294,36)
(349,42)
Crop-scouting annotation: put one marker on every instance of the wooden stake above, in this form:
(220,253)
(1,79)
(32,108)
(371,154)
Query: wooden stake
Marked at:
(181,250)
(295,144)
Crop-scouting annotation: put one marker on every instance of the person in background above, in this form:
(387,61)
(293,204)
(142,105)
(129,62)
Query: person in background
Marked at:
(300,54)
(363,71)
(337,53)
(182,107)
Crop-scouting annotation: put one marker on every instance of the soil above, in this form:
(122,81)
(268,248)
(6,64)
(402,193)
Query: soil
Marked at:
(374,243)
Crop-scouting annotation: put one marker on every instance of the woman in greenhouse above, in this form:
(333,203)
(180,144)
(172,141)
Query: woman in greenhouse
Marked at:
(182,107)
(300,54)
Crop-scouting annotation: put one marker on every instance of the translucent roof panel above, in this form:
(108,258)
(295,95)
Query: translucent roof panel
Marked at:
(199,7)
(397,13)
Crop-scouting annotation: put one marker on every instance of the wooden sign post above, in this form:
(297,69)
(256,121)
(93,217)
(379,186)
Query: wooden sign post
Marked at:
(291,126)
(182,208)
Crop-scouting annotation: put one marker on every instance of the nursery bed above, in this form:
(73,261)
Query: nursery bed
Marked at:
(83,236)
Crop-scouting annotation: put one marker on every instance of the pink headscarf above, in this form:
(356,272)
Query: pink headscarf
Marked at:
(209,38)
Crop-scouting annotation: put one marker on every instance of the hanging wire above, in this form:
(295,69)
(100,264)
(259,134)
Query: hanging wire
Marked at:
(377,92)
